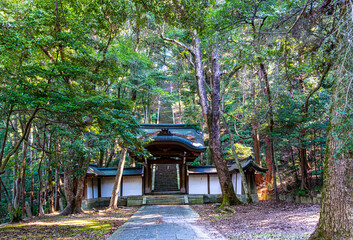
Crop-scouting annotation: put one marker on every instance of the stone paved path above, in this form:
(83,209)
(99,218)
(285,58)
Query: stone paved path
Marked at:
(167,223)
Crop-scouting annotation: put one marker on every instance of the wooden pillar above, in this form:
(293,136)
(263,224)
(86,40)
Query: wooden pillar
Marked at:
(121,186)
(92,187)
(182,178)
(147,177)
(253,184)
(57,193)
(183,175)
(187,179)
(99,188)
(143,180)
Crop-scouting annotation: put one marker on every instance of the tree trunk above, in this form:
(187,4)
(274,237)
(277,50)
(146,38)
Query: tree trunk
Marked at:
(51,191)
(303,160)
(213,123)
(211,113)
(110,158)
(74,188)
(255,126)
(268,160)
(56,191)
(241,171)
(255,132)
(40,188)
(336,216)
(119,174)
(270,112)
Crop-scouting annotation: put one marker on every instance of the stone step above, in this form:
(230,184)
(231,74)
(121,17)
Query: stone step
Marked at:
(179,199)
(165,200)
(172,199)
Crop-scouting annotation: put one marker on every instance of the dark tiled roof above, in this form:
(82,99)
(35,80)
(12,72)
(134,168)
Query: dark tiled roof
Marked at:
(247,164)
(209,169)
(108,172)
(183,133)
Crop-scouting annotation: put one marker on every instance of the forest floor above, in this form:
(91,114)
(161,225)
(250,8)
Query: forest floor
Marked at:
(263,220)
(98,224)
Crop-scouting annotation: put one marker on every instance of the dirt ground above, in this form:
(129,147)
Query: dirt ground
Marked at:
(264,220)
(98,224)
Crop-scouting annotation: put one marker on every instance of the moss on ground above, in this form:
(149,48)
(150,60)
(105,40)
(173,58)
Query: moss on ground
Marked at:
(91,225)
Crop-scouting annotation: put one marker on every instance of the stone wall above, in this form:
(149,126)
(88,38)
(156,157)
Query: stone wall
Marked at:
(300,199)
(153,199)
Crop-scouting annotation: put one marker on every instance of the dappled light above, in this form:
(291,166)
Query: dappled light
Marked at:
(262,220)
(212,104)
(92,225)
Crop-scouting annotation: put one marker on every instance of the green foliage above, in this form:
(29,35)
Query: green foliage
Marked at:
(242,151)
(302,192)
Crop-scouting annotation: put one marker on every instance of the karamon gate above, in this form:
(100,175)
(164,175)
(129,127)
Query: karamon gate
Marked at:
(172,147)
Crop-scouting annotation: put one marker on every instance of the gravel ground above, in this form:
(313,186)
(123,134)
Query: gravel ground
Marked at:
(264,220)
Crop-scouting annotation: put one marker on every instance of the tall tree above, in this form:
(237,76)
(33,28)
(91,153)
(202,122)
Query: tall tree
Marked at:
(211,108)
(336,216)
(119,175)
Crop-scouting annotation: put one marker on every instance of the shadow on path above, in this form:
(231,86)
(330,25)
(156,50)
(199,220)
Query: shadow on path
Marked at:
(165,222)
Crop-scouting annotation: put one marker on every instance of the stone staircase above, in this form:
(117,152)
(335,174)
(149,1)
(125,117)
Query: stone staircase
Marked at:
(166,179)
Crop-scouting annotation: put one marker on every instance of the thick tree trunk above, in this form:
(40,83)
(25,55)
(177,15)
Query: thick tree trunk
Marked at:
(211,113)
(255,126)
(271,125)
(213,123)
(74,188)
(336,216)
(119,174)
(255,132)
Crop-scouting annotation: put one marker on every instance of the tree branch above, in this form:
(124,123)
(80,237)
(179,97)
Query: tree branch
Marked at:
(24,134)
(318,86)
(5,135)
(235,126)
(175,41)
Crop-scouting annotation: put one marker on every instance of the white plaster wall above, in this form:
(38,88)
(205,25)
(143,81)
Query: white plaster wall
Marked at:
(107,185)
(234,181)
(92,193)
(239,184)
(132,186)
(198,184)
(215,187)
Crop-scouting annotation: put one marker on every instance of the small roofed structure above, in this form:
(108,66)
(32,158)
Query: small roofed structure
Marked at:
(100,181)
(197,184)
(171,146)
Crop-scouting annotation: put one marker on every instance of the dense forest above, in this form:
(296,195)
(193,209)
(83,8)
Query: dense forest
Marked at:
(268,79)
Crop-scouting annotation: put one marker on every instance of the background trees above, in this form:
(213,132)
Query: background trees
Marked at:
(77,77)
